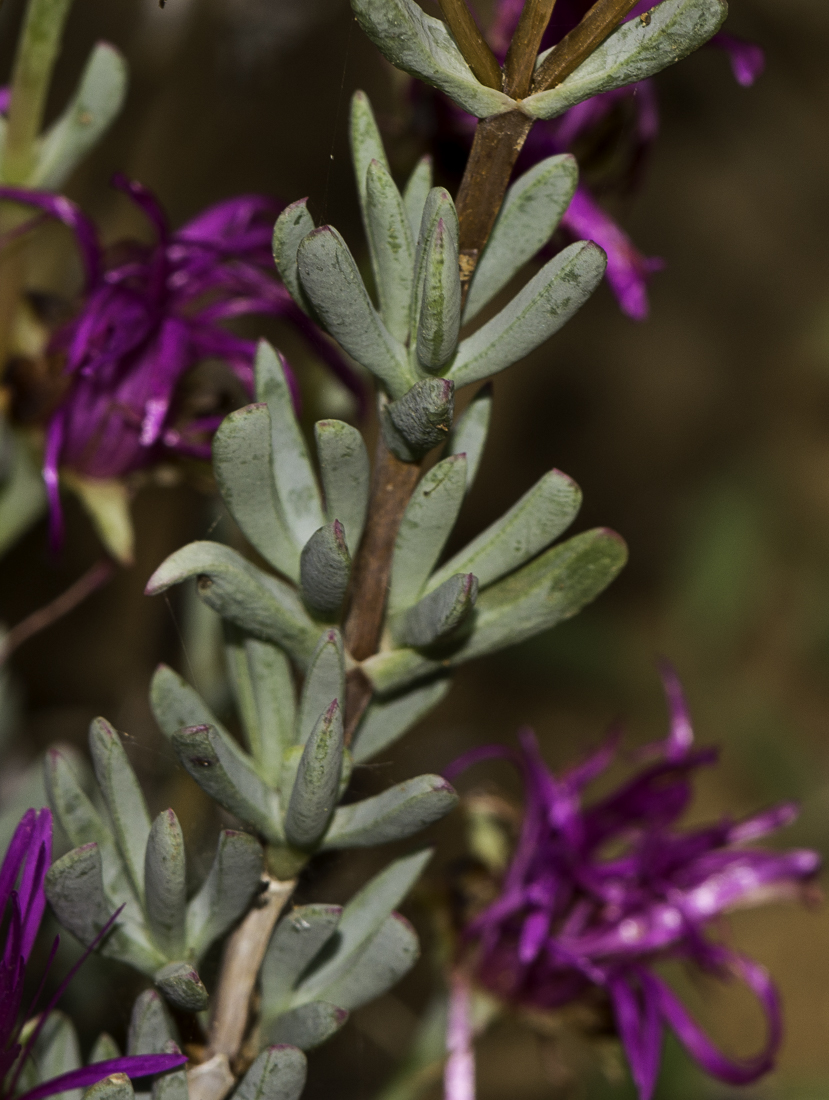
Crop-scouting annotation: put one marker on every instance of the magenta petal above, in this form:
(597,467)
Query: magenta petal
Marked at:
(636,1009)
(138,1065)
(68,213)
(5,99)
(681,735)
(628,270)
(747,58)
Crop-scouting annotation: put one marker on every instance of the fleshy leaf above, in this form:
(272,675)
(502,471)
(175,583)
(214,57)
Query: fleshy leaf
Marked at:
(324,682)
(151,1025)
(181,985)
(314,793)
(123,797)
(324,569)
(104,1049)
(529,527)
(292,225)
(416,191)
(332,282)
(263,687)
(391,953)
(437,614)
(440,308)
(423,46)
(426,525)
(420,419)
(543,593)
(226,892)
(243,467)
(537,311)
(532,209)
(635,51)
(221,770)
(296,940)
(56,1051)
(386,720)
(165,884)
(277,1074)
(75,889)
(175,704)
(392,249)
(399,812)
(293,473)
(115,1087)
(345,473)
(262,605)
(88,115)
(366,144)
(361,919)
(437,207)
(308,1025)
(470,431)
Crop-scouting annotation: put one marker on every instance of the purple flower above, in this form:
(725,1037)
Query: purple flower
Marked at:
(22,902)
(149,315)
(571,917)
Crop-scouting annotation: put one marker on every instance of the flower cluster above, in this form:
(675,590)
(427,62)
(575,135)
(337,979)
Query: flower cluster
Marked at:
(595,894)
(150,314)
(22,902)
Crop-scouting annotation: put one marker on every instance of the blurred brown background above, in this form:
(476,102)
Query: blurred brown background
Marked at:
(701,435)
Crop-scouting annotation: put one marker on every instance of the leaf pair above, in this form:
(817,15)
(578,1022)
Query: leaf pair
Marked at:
(287,786)
(122,858)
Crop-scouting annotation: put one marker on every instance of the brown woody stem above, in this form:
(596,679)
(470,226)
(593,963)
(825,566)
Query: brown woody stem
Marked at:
(565,57)
(243,954)
(523,50)
(472,44)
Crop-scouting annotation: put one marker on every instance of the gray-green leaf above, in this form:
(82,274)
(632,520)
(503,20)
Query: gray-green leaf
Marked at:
(314,795)
(422,46)
(260,675)
(115,1087)
(399,812)
(151,1025)
(243,466)
(165,884)
(392,249)
(440,307)
(324,569)
(437,614)
(532,209)
(306,1026)
(292,225)
(296,940)
(426,525)
(537,311)
(414,196)
(470,431)
(262,605)
(391,953)
(635,51)
(181,985)
(331,280)
(324,683)
(420,419)
(277,1074)
(344,469)
(366,144)
(388,719)
(226,892)
(529,527)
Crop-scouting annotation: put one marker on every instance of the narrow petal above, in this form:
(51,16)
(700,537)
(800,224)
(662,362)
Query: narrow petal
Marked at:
(681,734)
(138,1065)
(747,58)
(636,1009)
(71,215)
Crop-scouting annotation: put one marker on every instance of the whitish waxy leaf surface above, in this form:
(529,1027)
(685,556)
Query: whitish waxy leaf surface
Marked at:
(544,592)
(295,942)
(307,1026)
(361,920)
(416,191)
(366,144)
(440,306)
(537,311)
(427,522)
(277,1074)
(635,51)
(386,720)
(532,209)
(324,569)
(226,892)
(88,115)
(292,225)
(423,47)
(324,683)
(175,704)
(437,207)
(123,797)
(332,282)
(293,473)
(470,432)
(391,953)
(165,884)
(218,766)
(345,473)
(260,604)
(115,1087)
(243,466)
(420,420)
(75,890)
(180,983)
(399,812)
(437,614)
(314,794)
(529,527)
(260,675)
(392,249)
(151,1025)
